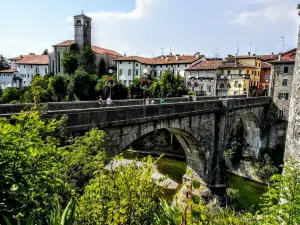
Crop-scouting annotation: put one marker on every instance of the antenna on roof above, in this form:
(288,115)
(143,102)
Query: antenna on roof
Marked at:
(250,47)
(137,54)
(216,53)
(82,11)
(255,51)
(282,41)
(238,48)
(170,50)
(162,51)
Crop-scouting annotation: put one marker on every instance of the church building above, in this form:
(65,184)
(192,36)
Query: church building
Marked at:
(82,36)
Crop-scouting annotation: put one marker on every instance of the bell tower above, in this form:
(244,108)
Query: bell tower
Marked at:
(82,30)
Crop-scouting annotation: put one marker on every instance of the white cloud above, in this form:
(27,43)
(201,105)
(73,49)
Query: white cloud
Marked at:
(273,11)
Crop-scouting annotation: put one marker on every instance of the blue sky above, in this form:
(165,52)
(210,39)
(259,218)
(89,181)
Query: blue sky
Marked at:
(143,27)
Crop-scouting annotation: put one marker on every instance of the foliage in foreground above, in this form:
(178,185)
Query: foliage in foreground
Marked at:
(125,194)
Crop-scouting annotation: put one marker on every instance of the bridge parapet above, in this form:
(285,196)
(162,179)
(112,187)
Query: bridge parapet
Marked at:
(84,119)
(237,103)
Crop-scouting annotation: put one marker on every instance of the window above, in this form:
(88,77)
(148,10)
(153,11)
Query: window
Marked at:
(236,93)
(254,73)
(24,82)
(160,66)
(201,87)
(87,23)
(31,66)
(155,73)
(120,62)
(120,72)
(286,69)
(125,82)
(136,72)
(178,72)
(236,83)
(45,70)
(284,82)
(240,71)
(171,65)
(209,88)
(24,66)
(137,65)
(228,72)
(282,96)
(78,22)
(31,75)
(129,62)
(36,70)
(185,65)
(58,61)
(280,114)
(255,64)
(28,75)
(129,72)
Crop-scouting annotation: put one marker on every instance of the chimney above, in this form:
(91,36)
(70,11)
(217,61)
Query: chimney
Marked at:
(197,55)
(279,57)
(235,62)
(167,58)
(272,53)
(249,53)
(124,54)
(177,57)
(162,56)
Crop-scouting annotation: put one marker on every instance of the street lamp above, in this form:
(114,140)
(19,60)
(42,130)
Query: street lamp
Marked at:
(110,82)
(144,82)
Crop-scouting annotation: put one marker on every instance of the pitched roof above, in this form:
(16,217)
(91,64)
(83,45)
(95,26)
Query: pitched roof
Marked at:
(268,57)
(15,58)
(66,43)
(206,65)
(34,60)
(235,64)
(99,50)
(244,57)
(162,60)
(8,71)
(266,65)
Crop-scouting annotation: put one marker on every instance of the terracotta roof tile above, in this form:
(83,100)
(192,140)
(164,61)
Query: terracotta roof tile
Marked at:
(162,60)
(34,59)
(100,50)
(244,57)
(8,71)
(233,64)
(266,65)
(15,58)
(66,43)
(206,65)
(268,57)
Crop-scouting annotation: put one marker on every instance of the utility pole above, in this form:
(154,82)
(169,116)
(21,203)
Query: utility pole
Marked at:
(238,48)
(162,51)
(250,47)
(283,44)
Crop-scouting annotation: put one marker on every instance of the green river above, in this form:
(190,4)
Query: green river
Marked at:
(249,192)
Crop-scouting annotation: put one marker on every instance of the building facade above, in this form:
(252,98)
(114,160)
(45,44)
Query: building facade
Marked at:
(7,79)
(282,81)
(132,67)
(82,36)
(202,77)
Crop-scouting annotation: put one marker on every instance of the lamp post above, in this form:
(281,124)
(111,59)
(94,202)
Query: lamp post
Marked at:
(110,82)
(144,83)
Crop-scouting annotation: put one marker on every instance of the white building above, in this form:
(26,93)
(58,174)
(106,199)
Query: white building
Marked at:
(7,78)
(201,77)
(132,67)
(29,65)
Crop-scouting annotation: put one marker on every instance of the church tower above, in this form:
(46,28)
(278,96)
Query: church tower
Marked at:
(82,30)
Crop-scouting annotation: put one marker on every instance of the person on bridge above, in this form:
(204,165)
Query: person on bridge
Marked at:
(108,101)
(162,101)
(147,101)
(100,101)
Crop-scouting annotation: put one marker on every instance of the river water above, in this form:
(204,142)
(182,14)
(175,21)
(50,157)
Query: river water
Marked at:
(250,192)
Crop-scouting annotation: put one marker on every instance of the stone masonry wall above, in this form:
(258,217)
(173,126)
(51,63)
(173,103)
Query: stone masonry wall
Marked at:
(278,76)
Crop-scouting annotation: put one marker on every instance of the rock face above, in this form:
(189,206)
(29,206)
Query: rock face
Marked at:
(292,148)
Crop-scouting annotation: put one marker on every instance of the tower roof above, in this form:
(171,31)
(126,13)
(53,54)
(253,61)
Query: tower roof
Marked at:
(82,15)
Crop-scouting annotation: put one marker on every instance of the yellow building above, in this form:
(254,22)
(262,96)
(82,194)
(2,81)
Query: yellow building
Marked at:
(238,75)
(254,70)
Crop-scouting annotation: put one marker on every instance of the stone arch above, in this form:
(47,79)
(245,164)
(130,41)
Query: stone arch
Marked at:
(252,143)
(198,156)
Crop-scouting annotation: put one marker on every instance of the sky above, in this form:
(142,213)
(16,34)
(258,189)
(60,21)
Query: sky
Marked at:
(144,27)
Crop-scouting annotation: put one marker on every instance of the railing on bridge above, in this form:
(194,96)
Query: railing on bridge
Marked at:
(245,102)
(77,117)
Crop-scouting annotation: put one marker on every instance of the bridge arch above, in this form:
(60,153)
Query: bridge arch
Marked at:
(197,142)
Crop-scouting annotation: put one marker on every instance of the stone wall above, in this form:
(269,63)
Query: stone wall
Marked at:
(278,76)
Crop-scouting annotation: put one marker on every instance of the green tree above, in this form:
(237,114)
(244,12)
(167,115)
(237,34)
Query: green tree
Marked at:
(102,68)
(120,195)
(86,59)
(57,86)
(29,159)
(9,95)
(83,85)
(118,90)
(39,87)
(70,61)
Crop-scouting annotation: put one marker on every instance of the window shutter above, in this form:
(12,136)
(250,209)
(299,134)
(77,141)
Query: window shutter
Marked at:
(286,96)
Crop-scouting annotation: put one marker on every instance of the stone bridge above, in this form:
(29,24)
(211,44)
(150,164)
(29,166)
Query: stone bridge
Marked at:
(202,127)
